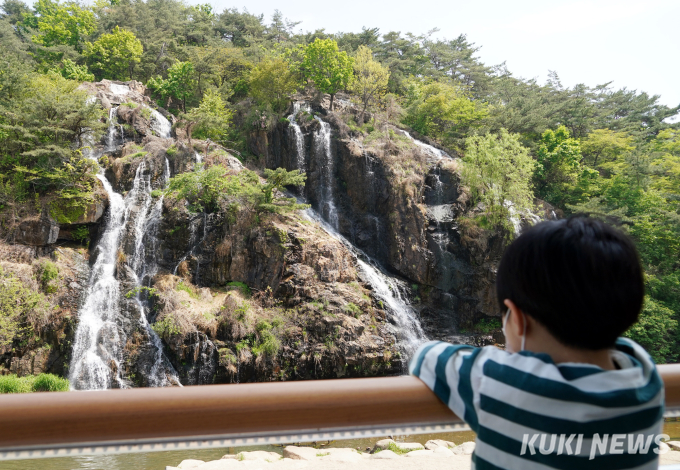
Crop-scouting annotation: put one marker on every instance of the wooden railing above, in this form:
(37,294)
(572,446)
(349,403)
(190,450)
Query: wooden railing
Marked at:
(50,424)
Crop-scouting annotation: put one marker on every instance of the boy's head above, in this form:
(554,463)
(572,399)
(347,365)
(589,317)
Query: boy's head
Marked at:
(579,277)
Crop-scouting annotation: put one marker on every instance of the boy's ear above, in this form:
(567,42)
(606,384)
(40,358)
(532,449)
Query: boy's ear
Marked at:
(517,318)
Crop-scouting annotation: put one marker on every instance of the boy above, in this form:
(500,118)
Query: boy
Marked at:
(567,392)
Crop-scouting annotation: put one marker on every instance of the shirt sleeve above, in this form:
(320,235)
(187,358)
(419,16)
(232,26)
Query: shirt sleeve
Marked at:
(447,370)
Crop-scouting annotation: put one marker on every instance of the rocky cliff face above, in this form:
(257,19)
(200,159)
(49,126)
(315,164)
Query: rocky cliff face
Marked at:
(203,297)
(197,297)
(402,204)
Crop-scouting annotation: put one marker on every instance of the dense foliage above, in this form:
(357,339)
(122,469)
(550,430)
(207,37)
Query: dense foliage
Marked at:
(612,153)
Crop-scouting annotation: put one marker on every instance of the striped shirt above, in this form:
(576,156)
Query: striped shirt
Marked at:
(532,414)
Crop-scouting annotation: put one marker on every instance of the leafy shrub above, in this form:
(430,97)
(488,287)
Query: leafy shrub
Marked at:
(48,272)
(216,188)
(81,234)
(20,308)
(166,327)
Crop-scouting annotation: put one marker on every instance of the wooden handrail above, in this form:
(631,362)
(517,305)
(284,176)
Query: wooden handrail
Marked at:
(121,417)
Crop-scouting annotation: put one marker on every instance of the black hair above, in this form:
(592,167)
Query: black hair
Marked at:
(578,277)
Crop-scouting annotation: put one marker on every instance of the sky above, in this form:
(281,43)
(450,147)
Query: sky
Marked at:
(632,43)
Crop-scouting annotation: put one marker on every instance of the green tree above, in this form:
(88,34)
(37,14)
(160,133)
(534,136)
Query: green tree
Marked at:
(604,145)
(272,82)
(559,166)
(370,79)
(441,111)
(67,23)
(115,55)
(497,170)
(179,84)
(655,331)
(210,120)
(73,71)
(329,68)
(217,189)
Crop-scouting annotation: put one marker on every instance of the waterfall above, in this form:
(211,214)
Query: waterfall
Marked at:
(198,157)
(297,133)
(144,264)
(429,149)
(99,339)
(326,167)
(159,125)
(119,89)
(111,136)
(98,345)
(408,329)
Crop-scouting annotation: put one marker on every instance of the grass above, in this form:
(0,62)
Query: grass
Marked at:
(181,286)
(245,290)
(33,383)
(396,449)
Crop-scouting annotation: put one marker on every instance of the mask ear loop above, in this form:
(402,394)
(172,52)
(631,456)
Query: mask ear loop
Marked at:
(524,333)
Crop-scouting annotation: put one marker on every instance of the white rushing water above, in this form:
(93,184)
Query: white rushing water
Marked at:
(159,125)
(119,89)
(433,151)
(323,150)
(408,330)
(297,133)
(99,339)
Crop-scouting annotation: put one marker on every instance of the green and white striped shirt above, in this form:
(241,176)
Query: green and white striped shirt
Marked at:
(532,414)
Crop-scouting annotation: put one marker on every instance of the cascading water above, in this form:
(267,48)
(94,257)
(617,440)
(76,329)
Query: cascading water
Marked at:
(159,125)
(323,151)
(100,338)
(144,265)
(408,330)
(297,133)
(97,346)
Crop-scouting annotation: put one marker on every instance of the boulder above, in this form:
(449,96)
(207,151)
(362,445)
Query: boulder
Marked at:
(385,455)
(300,453)
(664,448)
(674,445)
(259,455)
(342,454)
(227,464)
(443,451)
(190,463)
(383,444)
(434,443)
(37,231)
(466,448)
(420,453)
(167,467)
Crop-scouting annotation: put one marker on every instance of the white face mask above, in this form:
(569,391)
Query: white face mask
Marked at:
(524,333)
